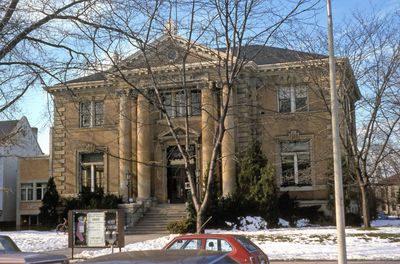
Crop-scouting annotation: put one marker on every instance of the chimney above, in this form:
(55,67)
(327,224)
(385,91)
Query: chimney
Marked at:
(35,131)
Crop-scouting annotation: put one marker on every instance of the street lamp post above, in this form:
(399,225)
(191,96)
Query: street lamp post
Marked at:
(337,166)
(129,181)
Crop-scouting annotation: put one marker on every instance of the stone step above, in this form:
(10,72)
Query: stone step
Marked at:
(156,219)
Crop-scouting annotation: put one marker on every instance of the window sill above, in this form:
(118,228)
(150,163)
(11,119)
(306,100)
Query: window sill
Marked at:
(303,188)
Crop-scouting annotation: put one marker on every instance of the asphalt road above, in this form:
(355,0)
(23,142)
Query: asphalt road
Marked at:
(138,238)
(335,262)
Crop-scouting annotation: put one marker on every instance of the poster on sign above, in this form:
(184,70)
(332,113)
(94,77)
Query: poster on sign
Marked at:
(96,228)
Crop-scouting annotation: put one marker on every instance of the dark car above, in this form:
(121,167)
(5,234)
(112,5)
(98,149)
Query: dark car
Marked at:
(237,247)
(165,257)
(11,254)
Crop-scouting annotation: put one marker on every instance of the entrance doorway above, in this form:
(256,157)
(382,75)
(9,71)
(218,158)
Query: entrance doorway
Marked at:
(178,189)
(177,179)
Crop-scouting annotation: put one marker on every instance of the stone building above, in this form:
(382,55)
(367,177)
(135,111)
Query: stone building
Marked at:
(33,175)
(107,134)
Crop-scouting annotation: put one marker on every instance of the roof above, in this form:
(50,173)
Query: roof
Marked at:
(260,54)
(99,76)
(392,180)
(264,55)
(6,127)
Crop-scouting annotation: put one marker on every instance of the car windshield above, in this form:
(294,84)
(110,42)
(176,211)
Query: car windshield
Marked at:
(246,243)
(7,245)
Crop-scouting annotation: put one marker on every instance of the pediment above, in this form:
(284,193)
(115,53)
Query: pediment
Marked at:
(180,132)
(169,51)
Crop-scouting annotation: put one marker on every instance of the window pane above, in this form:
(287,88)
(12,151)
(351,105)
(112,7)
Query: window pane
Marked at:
(193,244)
(225,246)
(92,157)
(23,194)
(246,243)
(85,114)
(39,194)
(196,103)
(30,194)
(85,176)
(288,172)
(99,170)
(212,244)
(284,105)
(304,169)
(177,244)
(295,146)
(167,102)
(180,103)
(301,98)
(98,113)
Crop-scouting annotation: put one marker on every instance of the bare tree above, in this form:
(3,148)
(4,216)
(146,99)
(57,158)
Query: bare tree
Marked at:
(369,130)
(36,45)
(222,29)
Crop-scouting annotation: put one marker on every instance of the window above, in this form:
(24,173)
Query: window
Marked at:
(292,99)
(40,190)
(246,243)
(218,245)
(91,113)
(188,244)
(295,163)
(91,171)
(26,191)
(176,106)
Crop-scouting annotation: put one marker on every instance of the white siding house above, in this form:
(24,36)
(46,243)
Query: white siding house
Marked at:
(17,139)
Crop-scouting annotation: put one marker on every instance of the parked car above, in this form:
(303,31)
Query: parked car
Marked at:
(165,257)
(11,254)
(238,247)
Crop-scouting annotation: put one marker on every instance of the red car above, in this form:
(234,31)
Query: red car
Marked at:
(241,249)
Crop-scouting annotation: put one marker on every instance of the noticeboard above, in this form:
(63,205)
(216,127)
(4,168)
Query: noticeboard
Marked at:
(96,228)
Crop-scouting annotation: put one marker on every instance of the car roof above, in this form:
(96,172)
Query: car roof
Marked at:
(207,236)
(161,256)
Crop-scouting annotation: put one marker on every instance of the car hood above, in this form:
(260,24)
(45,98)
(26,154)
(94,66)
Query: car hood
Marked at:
(32,258)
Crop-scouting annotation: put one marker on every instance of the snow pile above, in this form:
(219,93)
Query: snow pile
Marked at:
(283,223)
(302,222)
(249,223)
(37,241)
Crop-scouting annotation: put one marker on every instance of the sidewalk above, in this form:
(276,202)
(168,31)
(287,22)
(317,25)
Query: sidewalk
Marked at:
(129,239)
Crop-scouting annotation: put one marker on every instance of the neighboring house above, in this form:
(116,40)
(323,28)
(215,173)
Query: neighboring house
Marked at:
(33,178)
(107,135)
(387,195)
(17,139)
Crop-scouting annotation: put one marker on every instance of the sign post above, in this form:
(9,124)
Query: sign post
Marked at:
(96,229)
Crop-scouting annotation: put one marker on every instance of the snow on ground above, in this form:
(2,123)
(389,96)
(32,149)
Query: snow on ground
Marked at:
(309,243)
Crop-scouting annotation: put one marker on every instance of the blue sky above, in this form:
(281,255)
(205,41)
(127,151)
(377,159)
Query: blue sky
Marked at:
(34,104)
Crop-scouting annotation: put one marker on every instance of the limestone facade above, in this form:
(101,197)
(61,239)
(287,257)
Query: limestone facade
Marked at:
(107,134)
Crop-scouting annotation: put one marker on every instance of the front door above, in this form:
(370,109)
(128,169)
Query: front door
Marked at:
(176,176)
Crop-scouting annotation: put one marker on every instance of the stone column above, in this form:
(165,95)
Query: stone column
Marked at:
(208,123)
(228,147)
(124,142)
(134,142)
(144,148)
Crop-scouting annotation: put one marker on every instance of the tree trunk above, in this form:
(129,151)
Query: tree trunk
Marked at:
(365,205)
(199,222)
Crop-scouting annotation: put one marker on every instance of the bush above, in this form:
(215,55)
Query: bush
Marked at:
(92,200)
(179,227)
(353,219)
(48,215)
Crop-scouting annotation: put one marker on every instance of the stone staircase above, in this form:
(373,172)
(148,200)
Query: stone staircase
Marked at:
(156,218)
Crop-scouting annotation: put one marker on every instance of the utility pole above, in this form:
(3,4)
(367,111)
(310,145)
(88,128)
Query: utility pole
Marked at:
(337,163)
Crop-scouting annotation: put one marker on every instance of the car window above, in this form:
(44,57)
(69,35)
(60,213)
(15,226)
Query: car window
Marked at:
(218,245)
(7,245)
(192,244)
(186,244)
(246,243)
